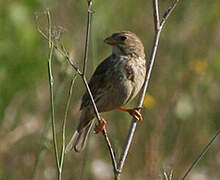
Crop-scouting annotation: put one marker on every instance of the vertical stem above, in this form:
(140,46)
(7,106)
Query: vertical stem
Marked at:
(156,15)
(49,29)
(51,84)
(64,123)
(87,38)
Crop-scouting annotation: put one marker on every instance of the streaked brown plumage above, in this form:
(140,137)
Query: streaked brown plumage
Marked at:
(115,82)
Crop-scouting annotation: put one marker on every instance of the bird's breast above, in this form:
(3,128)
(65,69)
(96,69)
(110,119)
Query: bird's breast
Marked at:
(129,77)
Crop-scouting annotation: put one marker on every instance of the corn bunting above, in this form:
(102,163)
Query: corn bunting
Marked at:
(115,82)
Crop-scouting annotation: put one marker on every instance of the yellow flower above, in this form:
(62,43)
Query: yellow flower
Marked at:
(149,101)
(198,66)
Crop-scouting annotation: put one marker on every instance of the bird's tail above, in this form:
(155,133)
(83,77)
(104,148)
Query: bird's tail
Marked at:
(79,138)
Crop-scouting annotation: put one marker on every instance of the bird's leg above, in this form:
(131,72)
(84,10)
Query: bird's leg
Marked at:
(100,126)
(133,112)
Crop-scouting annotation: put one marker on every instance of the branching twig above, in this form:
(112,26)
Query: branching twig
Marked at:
(63,53)
(104,132)
(158,27)
(205,149)
(83,75)
(59,160)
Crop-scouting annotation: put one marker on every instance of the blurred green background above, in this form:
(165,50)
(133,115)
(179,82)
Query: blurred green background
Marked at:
(181,110)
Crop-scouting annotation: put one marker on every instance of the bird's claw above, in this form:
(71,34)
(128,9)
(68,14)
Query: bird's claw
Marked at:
(136,114)
(100,127)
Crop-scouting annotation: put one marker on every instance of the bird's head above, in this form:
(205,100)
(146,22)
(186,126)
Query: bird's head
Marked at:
(125,43)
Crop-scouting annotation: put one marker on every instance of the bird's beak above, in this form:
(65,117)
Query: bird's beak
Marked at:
(111,41)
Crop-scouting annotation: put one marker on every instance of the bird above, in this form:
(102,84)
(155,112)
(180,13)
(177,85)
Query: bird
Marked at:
(115,82)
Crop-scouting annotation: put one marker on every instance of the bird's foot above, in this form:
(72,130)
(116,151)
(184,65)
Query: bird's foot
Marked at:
(100,126)
(134,113)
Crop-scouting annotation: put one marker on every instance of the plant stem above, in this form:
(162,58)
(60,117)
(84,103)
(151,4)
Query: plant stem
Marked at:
(51,84)
(205,149)
(89,17)
(83,75)
(64,122)
(158,27)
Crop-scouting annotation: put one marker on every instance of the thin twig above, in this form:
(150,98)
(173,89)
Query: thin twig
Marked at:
(51,83)
(112,154)
(158,29)
(156,15)
(89,16)
(104,132)
(76,68)
(205,149)
(64,122)
(168,12)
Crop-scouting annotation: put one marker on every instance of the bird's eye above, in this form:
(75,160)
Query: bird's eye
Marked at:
(123,38)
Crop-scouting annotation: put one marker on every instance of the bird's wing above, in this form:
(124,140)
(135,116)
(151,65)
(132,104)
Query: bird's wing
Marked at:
(98,80)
